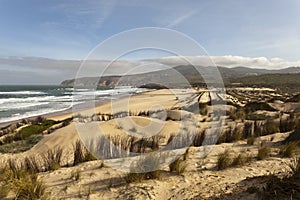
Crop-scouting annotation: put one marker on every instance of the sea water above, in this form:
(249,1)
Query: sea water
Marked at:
(19,102)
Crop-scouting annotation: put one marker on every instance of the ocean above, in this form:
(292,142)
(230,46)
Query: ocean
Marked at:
(19,102)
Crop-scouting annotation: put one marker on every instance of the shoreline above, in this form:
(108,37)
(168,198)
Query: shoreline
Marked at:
(48,115)
(64,114)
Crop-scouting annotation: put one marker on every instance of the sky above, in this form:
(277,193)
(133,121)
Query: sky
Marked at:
(70,29)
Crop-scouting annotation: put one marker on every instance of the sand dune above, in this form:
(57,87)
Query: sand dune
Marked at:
(200,181)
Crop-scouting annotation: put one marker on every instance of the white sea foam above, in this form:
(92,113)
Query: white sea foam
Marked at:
(19,116)
(115,91)
(36,99)
(22,93)
(10,106)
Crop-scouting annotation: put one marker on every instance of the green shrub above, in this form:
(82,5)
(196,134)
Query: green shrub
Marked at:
(20,146)
(33,129)
(28,131)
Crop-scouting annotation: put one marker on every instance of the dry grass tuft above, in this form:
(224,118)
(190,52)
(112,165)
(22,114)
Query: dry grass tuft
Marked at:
(23,184)
(241,159)
(179,166)
(81,154)
(263,153)
(224,160)
(148,168)
(289,149)
(52,159)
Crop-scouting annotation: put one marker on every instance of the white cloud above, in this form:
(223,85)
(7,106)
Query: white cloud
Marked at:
(43,70)
(180,19)
(230,61)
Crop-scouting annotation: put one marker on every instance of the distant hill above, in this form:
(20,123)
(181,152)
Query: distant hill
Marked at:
(245,71)
(170,77)
(270,80)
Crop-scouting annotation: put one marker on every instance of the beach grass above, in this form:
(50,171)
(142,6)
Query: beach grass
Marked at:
(21,145)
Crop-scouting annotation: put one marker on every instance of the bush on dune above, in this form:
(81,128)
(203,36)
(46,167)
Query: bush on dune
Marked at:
(21,145)
(33,129)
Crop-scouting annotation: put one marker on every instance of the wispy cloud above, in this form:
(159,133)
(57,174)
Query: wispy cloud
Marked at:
(91,14)
(181,19)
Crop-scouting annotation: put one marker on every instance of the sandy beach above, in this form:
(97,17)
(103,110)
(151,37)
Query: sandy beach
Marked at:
(152,100)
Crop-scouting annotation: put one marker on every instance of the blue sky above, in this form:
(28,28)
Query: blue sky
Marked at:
(69,29)
(256,33)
